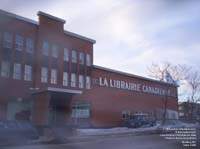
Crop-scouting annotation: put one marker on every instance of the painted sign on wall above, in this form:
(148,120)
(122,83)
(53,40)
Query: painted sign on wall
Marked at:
(119,84)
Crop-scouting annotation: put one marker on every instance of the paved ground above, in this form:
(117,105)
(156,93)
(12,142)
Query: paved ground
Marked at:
(120,142)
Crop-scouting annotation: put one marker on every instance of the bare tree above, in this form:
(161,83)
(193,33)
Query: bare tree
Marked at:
(172,74)
(193,83)
(176,72)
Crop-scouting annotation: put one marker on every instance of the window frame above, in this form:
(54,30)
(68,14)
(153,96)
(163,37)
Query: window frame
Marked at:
(27,72)
(5,69)
(17,74)
(74,56)
(81,111)
(54,76)
(45,48)
(66,54)
(73,80)
(7,40)
(19,42)
(81,81)
(55,51)
(44,74)
(65,79)
(29,45)
(88,59)
(81,58)
(88,82)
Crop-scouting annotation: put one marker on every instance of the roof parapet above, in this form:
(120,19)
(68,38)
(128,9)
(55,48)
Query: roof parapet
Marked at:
(50,16)
(80,37)
(132,75)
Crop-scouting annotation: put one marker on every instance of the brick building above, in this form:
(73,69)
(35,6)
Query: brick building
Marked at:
(47,76)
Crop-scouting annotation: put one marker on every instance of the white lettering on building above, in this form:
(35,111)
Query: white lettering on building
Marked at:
(133,86)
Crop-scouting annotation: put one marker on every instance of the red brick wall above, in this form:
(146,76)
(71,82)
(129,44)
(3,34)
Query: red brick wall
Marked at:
(40,112)
(107,104)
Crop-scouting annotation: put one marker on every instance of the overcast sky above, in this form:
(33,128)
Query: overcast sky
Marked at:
(130,34)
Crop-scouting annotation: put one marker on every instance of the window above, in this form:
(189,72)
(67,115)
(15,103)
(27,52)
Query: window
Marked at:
(88,60)
(44,75)
(7,40)
(81,111)
(19,42)
(80,81)
(18,56)
(66,54)
(88,82)
(6,54)
(55,51)
(17,71)
(66,66)
(29,45)
(28,73)
(74,56)
(53,76)
(81,58)
(45,48)
(73,80)
(73,68)
(126,115)
(65,79)
(5,69)
(81,69)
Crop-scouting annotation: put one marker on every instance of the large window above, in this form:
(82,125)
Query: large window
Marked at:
(88,82)
(5,69)
(19,42)
(53,76)
(66,54)
(81,81)
(44,75)
(65,79)
(28,73)
(7,40)
(55,51)
(29,45)
(45,48)
(81,111)
(17,71)
(74,56)
(73,80)
(88,60)
(81,58)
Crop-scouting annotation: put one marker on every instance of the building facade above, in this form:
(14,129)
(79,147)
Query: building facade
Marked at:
(48,76)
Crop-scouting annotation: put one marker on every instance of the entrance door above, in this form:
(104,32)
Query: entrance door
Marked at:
(57,115)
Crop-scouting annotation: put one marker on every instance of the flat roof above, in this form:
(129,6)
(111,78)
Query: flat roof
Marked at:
(132,75)
(15,16)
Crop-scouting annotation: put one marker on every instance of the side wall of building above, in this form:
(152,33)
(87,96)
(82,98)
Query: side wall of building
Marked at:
(108,104)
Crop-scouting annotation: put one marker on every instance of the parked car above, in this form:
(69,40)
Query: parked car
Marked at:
(139,120)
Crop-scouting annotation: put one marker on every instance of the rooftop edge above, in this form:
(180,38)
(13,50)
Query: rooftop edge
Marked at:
(51,17)
(80,37)
(36,23)
(132,75)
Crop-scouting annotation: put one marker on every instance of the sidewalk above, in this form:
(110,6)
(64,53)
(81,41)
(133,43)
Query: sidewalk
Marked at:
(83,135)
(116,131)
(80,135)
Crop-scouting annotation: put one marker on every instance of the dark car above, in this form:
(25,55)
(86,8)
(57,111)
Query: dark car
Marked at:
(139,120)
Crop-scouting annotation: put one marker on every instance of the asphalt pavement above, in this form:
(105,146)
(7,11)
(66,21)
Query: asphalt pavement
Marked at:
(115,142)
